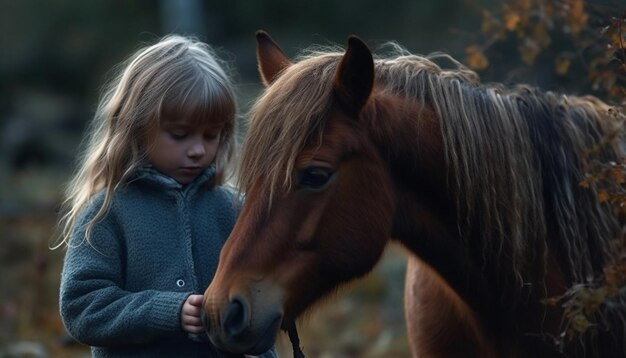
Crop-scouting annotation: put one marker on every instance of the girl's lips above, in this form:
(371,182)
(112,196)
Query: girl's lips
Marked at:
(191,169)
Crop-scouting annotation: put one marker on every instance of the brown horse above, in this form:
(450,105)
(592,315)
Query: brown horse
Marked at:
(480,183)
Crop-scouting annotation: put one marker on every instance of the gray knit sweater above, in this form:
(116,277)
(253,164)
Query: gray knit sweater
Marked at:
(122,292)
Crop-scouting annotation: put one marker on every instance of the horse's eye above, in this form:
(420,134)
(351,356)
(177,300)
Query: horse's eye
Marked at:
(314,178)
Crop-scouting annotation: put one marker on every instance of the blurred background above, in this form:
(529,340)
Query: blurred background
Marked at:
(55,55)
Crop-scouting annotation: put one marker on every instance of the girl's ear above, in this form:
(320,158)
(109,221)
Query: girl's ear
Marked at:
(354,79)
(270,58)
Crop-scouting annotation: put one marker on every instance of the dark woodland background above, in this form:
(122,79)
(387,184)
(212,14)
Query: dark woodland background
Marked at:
(55,55)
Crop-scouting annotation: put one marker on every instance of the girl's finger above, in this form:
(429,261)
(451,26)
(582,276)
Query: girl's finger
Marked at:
(191,310)
(195,300)
(192,320)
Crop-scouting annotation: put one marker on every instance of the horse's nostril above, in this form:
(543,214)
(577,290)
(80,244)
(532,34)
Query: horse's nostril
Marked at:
(236,316)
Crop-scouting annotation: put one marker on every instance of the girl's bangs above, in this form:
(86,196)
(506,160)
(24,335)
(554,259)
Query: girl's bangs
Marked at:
(198,103)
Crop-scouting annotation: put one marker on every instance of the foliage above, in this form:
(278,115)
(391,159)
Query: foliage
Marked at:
(582,303)
(569,37)
(533,27)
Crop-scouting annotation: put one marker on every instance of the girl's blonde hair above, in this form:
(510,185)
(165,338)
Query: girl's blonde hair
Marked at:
(177,76)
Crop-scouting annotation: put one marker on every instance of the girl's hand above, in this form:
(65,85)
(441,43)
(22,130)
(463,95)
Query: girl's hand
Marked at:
(190,314)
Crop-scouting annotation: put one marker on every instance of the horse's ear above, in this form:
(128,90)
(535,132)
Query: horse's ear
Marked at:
(270,58)
(355,77)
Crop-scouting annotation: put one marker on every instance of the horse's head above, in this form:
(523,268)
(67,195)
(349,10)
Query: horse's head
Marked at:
(318,208)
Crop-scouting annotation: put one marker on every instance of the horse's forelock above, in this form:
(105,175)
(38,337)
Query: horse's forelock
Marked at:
(282,120)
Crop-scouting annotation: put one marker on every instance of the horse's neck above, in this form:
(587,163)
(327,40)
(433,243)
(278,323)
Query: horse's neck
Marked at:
(432,236)
(410,139)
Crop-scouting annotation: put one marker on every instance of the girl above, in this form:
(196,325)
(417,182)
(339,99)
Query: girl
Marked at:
(146,215)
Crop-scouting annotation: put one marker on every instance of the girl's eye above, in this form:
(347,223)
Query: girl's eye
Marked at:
(211,136)
(178,135)
(314,178)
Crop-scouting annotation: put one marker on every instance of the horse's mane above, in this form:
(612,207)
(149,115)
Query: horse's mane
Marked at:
(515,156)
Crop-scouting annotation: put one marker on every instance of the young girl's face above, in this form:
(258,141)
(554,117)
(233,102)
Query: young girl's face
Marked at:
(183,151)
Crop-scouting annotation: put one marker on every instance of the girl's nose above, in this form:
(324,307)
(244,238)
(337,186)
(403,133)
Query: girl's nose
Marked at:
(196,150)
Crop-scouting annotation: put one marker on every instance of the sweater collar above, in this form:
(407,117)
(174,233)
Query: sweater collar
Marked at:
(149,174)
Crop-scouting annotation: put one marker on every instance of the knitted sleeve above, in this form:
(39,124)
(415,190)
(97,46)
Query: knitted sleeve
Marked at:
(95,309)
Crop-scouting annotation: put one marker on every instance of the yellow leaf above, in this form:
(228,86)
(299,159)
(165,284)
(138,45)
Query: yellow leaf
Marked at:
(598,296)
(561,65)
(603,195)
(475,58)
(552,301)
(577,17)
(618,175)
(580,323)
(511,18)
